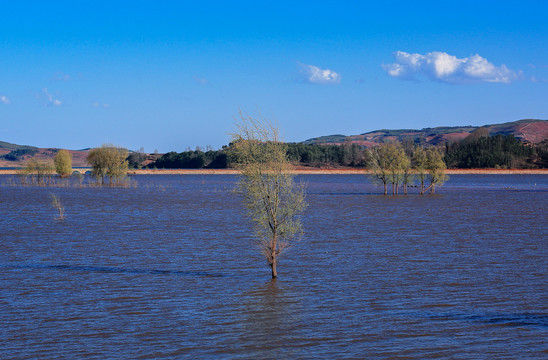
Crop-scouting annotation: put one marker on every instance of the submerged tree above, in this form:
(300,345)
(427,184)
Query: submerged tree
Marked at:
(63,163)
(377,162)
(389,164)
(274,200)
(39,172)
(398,166)
(56,203)
(407,174)
(436,169)
(420,163)
(108,160)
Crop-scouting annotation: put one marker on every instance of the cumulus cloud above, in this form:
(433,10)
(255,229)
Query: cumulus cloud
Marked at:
(4,100)
(51,100)
(314,75)
(448,68)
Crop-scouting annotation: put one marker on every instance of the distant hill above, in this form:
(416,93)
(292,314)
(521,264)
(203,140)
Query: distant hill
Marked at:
(12,155)
(527,130)
(7,145)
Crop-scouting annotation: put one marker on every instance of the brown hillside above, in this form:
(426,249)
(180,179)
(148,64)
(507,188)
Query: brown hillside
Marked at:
(533,132)
(78,157)
(528,130)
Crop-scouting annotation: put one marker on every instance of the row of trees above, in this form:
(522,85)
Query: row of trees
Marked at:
(197,159)
(479,150)
(391,164)
(306,154)
(347,154)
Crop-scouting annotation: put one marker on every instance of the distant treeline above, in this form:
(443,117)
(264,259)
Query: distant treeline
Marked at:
(194,159)
(478,150)
(304,154)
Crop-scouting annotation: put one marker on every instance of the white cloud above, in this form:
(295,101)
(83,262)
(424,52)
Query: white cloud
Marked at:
(4,100)
(448,68)
(98,104)
(314,75)
(51,100)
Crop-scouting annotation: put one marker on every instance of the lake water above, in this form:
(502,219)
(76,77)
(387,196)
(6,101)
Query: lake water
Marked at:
(168,270)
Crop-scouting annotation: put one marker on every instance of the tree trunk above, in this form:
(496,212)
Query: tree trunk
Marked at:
(273,266)
(428,188)
(274,251)
(385,189)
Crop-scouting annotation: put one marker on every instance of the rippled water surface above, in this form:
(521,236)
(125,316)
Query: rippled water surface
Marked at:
(168,270)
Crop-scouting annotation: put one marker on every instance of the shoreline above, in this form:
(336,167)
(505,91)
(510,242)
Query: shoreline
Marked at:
(305,171)
(311,171)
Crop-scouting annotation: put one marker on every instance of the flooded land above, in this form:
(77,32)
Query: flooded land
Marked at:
(167,269)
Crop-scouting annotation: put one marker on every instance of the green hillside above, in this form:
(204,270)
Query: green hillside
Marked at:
(7,145)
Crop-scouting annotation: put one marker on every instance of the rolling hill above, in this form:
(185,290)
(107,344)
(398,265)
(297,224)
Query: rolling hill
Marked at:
(527,130)
(12,155)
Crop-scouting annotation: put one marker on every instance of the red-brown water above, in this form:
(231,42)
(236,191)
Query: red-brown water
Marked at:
(168,270)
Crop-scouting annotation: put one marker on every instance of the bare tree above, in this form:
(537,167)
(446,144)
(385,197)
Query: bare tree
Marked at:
(273,199)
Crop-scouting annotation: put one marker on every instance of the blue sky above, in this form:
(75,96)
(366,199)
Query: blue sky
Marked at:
(168,75)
